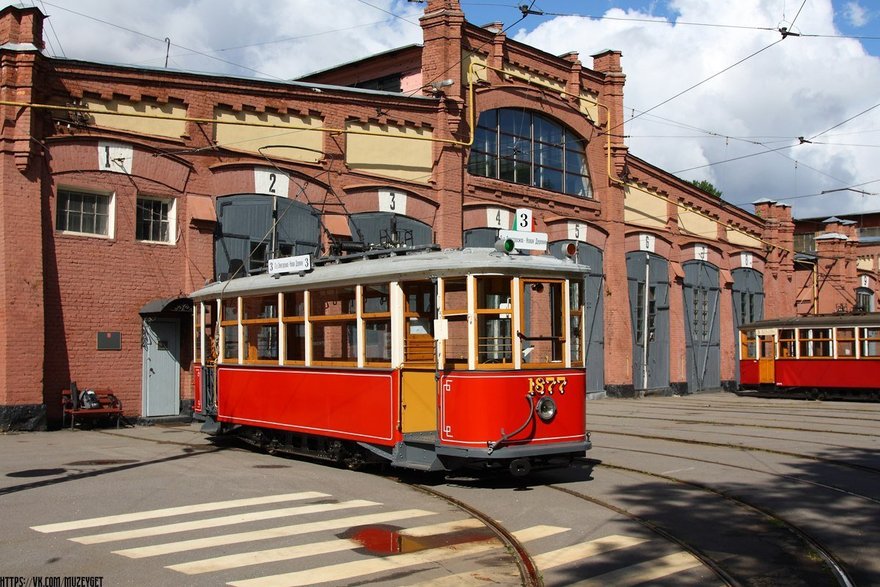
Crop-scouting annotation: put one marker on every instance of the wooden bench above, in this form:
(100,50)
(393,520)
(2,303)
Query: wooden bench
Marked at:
(110,406)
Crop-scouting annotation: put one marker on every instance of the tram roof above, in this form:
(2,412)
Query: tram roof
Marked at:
(817,321)
(398,267)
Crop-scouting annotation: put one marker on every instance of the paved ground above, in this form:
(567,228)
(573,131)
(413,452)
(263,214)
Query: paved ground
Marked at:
(163,505)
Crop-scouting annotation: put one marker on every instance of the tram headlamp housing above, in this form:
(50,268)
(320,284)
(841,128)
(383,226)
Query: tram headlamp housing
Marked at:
(546,409)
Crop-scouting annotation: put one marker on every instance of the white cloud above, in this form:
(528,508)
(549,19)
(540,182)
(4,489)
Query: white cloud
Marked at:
(797,88)
(279,39)
(856,14)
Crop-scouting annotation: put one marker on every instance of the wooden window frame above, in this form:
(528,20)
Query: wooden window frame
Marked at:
(295,319)
(499,313)
(806,339)
(230,323)
(561,340)
(864,340)
(787,343)
(844,341)
(374,318)
(254,325)
(322,320)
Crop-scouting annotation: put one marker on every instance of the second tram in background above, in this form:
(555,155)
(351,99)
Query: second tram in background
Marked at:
(821,356)
(431,360)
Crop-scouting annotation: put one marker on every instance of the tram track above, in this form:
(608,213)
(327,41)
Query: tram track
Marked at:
(815,548)
(795,478)
(688,547)
(854,466)
(742,425)
(529,573)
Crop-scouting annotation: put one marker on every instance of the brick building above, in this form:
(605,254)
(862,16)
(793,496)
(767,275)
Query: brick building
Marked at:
(122,189)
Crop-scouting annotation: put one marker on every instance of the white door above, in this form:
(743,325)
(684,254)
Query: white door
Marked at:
(161,374)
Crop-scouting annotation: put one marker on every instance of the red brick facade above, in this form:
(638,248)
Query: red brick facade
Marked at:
(59,290)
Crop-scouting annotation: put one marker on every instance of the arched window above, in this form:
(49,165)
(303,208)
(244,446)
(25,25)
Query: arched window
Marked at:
(528,148)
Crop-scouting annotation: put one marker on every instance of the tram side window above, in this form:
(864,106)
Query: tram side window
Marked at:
(846,343)
(542,336)
(377,324)
(575,325)
(786,343)
(748,345)
(334,326)
(494,342)
(208,354)
(260,321)
(815,342)
(229,324)
(869,340)
(455,312)
(419,334)
(294,327)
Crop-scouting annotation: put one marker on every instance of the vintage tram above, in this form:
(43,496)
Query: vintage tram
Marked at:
(832,355)
(430,360)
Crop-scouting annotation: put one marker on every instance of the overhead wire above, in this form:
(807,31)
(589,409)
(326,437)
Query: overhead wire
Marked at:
(157,39)
(514,24)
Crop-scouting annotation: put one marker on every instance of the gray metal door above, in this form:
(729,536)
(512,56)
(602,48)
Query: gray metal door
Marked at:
(748,302)
(702,296)
(648,277)
(161,373)
(594,308)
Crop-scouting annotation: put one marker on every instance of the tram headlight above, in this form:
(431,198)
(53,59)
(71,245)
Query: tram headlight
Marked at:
(546,408)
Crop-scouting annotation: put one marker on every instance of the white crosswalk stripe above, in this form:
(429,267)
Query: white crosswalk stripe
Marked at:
(420,550)
(176,511)
(281,532)
(570,554)
(362,568)
(232,561)
(223,521)
(545,561)
(644,572)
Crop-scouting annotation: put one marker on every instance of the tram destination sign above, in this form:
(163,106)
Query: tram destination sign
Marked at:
(296,264)
(525,241)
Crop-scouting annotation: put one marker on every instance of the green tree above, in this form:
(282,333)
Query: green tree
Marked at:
(707,187)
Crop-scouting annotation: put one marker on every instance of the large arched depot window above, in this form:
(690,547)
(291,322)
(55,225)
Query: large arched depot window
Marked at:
(528,148)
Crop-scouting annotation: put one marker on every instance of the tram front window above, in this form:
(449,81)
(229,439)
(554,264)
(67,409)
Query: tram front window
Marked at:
(541,336)
(494,343)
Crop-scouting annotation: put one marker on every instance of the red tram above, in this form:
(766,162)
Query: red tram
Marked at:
(431,360)
(819,355)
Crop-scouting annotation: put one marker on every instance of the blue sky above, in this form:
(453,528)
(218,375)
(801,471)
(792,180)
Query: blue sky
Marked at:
(712,92)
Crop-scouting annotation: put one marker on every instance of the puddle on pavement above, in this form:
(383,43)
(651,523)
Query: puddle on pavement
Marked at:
(384,540)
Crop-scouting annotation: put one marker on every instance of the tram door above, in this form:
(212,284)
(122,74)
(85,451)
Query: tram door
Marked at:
(161,370)
(418,384)
(702,295)
(766,359)
(648,277)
